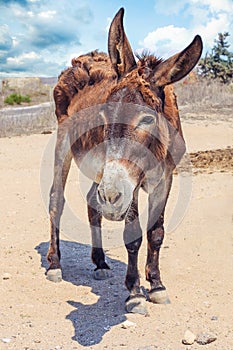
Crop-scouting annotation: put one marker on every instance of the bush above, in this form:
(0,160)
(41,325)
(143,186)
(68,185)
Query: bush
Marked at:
(16,99)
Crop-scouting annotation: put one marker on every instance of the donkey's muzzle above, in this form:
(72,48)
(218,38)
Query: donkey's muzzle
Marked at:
(112,203)
(115,191)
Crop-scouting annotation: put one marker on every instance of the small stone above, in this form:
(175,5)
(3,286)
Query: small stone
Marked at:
(6,276)
(127,324)
(214,318)
(189,338)
(205,338)
(6,340)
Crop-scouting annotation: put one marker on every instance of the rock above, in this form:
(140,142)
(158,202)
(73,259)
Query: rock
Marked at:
(189,338)
(6,340)
(205,338)
(214,318)
(6,276)
(128,324)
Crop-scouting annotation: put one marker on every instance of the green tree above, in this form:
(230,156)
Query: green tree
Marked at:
(219,63)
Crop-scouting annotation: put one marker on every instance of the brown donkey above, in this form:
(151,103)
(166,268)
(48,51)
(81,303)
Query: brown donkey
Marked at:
(119,120)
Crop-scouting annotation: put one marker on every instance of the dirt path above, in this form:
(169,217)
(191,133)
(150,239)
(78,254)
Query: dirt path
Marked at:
(79,313)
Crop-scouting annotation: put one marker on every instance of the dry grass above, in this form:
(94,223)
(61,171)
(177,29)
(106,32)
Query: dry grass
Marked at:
(204,94)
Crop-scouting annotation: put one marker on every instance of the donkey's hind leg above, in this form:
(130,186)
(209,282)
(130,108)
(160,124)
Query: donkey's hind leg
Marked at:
(55,209)
(95,219)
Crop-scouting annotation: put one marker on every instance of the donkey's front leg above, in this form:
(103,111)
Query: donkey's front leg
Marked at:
(54,273)
(63,159)
(155,235)
(135,303)
(95,218)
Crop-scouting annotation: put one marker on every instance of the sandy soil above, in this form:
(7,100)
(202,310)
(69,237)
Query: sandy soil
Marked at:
(79,312)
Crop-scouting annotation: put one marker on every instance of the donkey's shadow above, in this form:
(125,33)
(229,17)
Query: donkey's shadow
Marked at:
(90,321)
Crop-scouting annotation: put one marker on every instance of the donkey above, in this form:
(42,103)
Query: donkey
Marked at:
(118,119)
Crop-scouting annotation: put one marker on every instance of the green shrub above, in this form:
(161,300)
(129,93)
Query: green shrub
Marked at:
(16,99)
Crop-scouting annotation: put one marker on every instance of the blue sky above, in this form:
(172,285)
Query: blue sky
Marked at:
(39,37)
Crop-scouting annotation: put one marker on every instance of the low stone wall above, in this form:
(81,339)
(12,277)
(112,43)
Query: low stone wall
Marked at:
(27,120)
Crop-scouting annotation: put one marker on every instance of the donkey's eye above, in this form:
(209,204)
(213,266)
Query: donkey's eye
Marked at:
(146,120)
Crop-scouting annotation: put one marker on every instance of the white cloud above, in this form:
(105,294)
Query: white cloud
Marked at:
(5,38)
(215,6)
(167,40)
(212,28)
(173,7)
(31,64)
(47,14)
(30,14)
(23,59)
(207,18)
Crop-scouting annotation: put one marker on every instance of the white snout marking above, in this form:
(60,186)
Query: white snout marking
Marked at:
(115,191)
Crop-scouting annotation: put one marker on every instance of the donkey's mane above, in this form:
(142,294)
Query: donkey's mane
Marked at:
(86,70)
(149,60)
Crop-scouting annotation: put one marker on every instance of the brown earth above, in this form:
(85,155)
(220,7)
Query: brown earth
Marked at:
(79,312)
(213,160)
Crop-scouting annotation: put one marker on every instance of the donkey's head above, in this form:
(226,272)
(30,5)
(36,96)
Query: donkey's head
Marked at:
(139,120)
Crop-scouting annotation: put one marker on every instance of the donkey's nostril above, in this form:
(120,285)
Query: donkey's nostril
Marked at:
(111,198)
(115,198)
(101,197)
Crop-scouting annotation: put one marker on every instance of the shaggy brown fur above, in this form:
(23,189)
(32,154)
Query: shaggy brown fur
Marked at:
(86,73)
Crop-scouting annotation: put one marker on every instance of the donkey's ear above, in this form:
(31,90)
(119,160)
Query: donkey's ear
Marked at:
(119,49)
(179,65)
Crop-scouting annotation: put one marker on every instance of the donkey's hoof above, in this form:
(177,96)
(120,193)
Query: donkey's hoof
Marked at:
(54,275)
(102,274)
(159,296)
(136,304)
